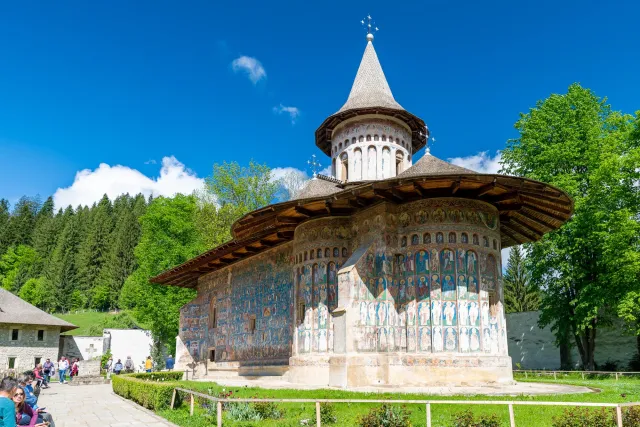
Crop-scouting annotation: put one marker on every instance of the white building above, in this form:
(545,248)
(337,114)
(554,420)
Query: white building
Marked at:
(28,335)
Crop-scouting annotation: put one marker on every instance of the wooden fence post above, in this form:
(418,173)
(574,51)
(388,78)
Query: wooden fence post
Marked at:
(583,375)
(173,398)
(428,414)
(318,421)
(512,418)
(191,410)
(554,375)
(616,376)
(619,415)
(219,413)
(525,374)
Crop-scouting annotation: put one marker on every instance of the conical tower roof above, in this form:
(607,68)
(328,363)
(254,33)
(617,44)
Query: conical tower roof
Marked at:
(370,87)
(430,165)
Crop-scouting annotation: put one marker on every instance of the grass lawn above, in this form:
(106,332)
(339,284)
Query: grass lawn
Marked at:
(91,323)
(609,391)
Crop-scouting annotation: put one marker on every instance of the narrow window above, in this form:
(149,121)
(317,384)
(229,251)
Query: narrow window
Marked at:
(252,325)
(485,242)
(464,238)
(15,333)
(384,137)
(12,363)
(452,237)
(212,355)
(475,239)
(495,244)
(37,361)
(344,252)
(426,238)
(319,253)
(311,254)
(40,334)
(327,253)
(301,309)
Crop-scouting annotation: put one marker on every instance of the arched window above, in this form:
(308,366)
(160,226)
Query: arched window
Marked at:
(311,254)
(426,238)
(495,244)
(305,255)
(376,138)
(327,253)
(399,161)
(452,237)
(485,242)
(415,240)
(344,252)
(344,162)
(372,166)
(475,240)
(386,162)
(346,142)
(333,167)
(353,140)
(384,138)
(319,253)
(403,143)
(340,146)
(464,238)
(439,238)
(357,164)
(368,138)
(336,252)
(403,241)
(398,142)
(361,138)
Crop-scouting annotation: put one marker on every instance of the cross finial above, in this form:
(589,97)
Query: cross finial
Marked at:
(314,165)
(370,25)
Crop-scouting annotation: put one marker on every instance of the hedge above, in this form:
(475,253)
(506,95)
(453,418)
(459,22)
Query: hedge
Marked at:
(153,391)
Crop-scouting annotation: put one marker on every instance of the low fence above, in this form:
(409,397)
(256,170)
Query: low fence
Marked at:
(427,403)
(584,374)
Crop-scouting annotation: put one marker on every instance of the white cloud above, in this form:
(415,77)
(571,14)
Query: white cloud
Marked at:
(90,185)
(251,67)
(292,179)
(150,162)
(293,112)
(481,162)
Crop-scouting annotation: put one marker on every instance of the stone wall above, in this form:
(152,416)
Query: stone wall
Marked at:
(27,347)
(84,348)
(534,348)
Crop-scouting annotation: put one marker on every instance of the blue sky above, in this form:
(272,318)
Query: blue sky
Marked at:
(132,83)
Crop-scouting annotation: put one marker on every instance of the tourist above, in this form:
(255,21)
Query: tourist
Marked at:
(37,374)
(170,363)
(128,365)
(49,370)
(63,365)
(109,367)
(74,369)
(117,368)
(25,415)
(8,388)
(148,364)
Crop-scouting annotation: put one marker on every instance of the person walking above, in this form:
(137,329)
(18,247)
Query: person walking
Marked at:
(109,367)
(74,369)
(8,387)
(128,365)
(49,370)
(148,364)
(170,363)
(63,366)
(117,368)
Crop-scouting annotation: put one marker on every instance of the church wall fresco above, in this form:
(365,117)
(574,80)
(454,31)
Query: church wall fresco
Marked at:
(253,303)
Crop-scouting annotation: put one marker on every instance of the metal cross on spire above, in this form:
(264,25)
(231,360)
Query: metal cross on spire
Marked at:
(314,165)
(370,26)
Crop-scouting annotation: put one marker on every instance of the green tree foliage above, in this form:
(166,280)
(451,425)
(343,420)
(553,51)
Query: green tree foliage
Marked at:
(576,142)
(519,293)
(15,265)
(19,227)
(169,237)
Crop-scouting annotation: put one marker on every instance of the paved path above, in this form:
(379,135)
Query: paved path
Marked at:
(95,405)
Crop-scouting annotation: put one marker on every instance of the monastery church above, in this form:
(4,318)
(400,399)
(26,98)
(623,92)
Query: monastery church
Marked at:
(386,273)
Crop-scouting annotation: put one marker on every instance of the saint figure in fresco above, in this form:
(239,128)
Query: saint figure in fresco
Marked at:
(403,290)
(436,312)
(486,340)
(464,238)
(369,264)
(371,292)
(336,252)
(426,238)
(437,339)
(439,238)
(474,340)
(425,339)
(460,261)
(380,258)
(450,340)
(392,316)
(423,287)
(422,261)
(411,339)
(411,313)
(391,338)
(393,289)
(448,288)
(382,287)
(462,287)
(371,316)
(363,313)
(415,239)
(408,263)
(447,261)
(411,289)
(464,340)
(473,313)
(472,263)
(382,313)
(463,313)
(435,287)
(449,313)
(424,314)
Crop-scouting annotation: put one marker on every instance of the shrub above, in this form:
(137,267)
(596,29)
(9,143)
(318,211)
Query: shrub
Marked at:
(158,376)
(242,412)
(328,413)
(634,363)
(386,416)
(466,419)
(585,417)
(154,394)
(631,416)
(268,410)
(609,366)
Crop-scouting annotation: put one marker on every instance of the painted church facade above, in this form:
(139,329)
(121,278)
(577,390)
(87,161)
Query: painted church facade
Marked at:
(386,273)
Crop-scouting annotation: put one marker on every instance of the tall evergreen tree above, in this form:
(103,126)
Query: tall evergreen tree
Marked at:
(19,230)
(94,249)
(519,293)
(44,237)
(4,224)
(62,270)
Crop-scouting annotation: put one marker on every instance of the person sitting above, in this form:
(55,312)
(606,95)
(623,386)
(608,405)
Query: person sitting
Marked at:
(26,382)
(37,374)
(117,368)
(8,387)
(25,415)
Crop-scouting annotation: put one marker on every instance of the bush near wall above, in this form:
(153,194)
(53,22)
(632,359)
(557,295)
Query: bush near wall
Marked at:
(153,391)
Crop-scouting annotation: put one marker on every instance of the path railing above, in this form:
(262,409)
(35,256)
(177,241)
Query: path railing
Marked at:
(427,403)
(535,372)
